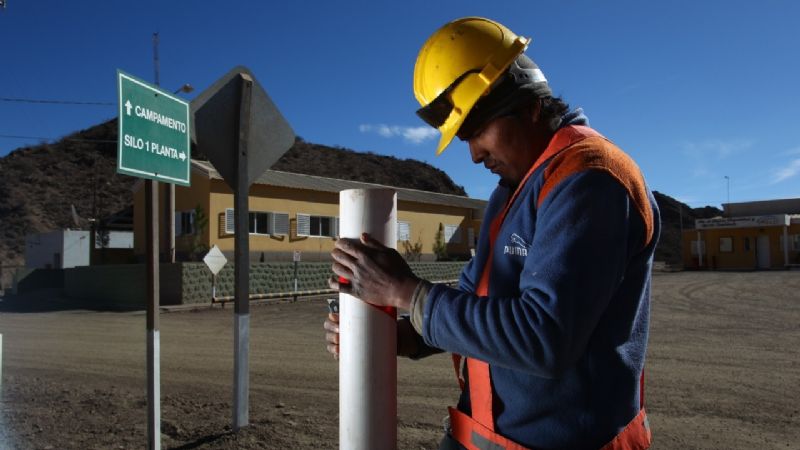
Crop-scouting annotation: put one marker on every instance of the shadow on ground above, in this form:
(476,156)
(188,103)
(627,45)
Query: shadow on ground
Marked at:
(49,300)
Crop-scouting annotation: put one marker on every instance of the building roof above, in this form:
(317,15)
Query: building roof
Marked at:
(316,183)
(765,207)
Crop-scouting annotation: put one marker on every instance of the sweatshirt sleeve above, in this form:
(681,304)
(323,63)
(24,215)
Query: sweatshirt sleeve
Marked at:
(576,262)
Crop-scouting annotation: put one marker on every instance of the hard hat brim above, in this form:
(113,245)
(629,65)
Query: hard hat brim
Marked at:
(471,88)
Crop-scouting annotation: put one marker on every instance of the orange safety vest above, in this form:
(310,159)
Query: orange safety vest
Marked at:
(477,432)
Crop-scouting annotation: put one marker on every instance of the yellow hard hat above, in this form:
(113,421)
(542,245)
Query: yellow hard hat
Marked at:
(457,65)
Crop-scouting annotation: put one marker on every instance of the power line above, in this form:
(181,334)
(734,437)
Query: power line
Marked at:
(54,102)
(13,136)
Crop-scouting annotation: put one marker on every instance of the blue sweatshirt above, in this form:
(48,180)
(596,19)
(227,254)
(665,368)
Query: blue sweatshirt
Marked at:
(564,328)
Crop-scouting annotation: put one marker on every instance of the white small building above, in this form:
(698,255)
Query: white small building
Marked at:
(61,249)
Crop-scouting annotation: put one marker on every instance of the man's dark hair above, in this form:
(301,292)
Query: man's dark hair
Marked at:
(553,109)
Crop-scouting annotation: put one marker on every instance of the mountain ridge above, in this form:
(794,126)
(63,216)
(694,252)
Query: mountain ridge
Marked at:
(42,184)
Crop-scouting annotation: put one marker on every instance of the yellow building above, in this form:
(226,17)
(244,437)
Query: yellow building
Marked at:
(762,235)
(293,212)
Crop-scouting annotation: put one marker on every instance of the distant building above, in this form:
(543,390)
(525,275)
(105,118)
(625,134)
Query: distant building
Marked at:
(60,249)
(64,249)
(752,235)
(294,212)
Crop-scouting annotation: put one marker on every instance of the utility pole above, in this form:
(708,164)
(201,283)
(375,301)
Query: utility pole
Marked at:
(155,58)
(728,180)
(169,205)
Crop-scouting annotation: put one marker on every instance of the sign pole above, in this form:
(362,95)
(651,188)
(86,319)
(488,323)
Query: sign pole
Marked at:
(153,340)
(242,264)
(243,134)
(154,143)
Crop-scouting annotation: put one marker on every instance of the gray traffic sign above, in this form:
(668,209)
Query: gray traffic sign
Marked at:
(220,114)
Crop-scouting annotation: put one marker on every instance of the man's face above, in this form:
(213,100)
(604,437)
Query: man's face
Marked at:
(505,147)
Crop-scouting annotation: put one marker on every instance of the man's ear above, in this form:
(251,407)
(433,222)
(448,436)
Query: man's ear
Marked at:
(536,110)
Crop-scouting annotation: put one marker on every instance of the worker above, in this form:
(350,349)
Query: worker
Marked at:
(549,322)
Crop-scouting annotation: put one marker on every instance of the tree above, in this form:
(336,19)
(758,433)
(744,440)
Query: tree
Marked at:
(412,252)
(200,224)
(439,246)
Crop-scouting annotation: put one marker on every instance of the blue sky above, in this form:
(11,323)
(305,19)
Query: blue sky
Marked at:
(695,91)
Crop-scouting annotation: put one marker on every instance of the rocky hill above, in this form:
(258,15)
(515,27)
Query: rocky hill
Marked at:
(40,185)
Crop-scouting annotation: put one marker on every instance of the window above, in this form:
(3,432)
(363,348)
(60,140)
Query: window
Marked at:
(726,244)
(318,226)
(260,222)
(184,223)
(452,234)
(403,231)
(746,244)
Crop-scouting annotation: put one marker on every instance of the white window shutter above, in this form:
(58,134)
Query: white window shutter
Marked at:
(229,217)
(268,217)
(280,223)
(303,224)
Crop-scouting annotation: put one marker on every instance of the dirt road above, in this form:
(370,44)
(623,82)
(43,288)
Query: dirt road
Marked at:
(723,373)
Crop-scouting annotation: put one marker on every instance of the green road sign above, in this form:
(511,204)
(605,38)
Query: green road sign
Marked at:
(154,132)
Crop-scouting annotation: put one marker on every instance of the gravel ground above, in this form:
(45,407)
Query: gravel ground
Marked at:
(722,373)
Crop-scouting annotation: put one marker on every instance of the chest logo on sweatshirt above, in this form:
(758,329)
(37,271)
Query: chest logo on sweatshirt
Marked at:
(516,246)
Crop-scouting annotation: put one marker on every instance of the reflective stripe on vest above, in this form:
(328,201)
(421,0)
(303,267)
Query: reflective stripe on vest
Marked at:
(477,432)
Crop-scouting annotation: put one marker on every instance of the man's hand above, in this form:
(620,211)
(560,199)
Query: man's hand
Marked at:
(331,326)
(407,338)
(377,274)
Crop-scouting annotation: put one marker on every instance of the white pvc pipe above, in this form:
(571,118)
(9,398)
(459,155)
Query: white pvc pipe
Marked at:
(367,335)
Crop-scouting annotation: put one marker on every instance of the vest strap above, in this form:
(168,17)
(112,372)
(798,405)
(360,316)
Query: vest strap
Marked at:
(635,436)
(474,436)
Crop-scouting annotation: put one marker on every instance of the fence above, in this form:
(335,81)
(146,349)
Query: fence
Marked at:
(123,286)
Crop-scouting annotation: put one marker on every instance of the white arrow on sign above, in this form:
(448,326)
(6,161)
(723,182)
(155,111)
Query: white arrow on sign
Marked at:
(215,260)
(128,107)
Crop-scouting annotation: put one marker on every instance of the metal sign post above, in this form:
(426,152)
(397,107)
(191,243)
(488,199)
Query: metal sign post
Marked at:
(241,270)
(153,337)
(296,260)
(154,143)
(243,134)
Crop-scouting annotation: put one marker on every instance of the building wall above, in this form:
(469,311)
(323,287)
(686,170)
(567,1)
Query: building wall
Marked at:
(186,199)
(214,196)
(424,222)
(741,256)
